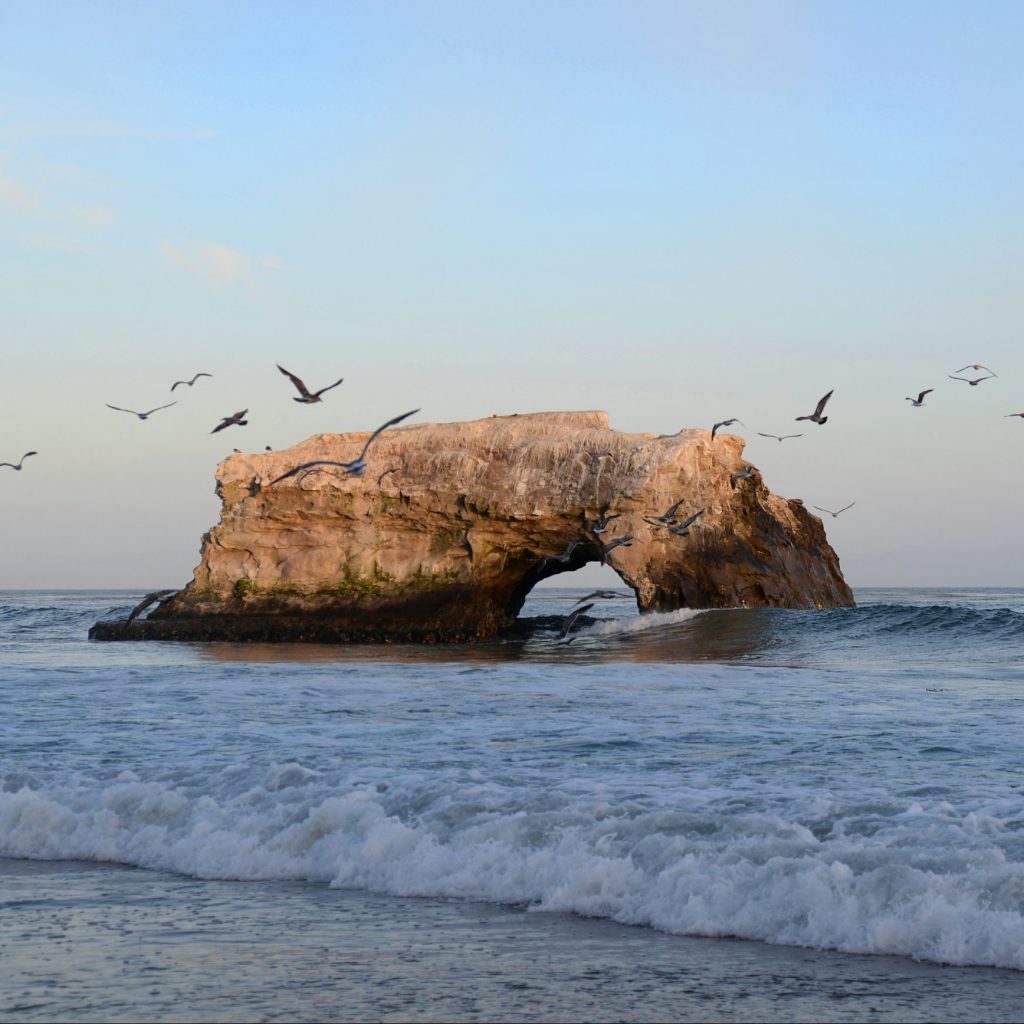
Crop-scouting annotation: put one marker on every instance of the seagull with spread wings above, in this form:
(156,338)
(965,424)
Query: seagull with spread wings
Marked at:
(725,423)
(974,383)
(141,415)
(976,366)
(835,515)
(238,420)
(779,437)
(190,382)
(816,417)
(20,461)
(306,397)
(919,401)
(354,468)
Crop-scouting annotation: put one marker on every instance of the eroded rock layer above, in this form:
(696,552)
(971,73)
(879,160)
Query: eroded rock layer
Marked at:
(447,545)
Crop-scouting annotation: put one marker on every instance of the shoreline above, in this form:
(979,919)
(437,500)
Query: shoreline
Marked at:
(94,941)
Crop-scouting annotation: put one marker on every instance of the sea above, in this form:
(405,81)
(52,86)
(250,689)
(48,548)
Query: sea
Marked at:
(742,814)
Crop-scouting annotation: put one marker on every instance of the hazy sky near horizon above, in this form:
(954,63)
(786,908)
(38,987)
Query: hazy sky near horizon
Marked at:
(678,212)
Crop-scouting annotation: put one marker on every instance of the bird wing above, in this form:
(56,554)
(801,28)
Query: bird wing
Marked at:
(820,509)
(295,380)
(920,397)
(383,427)
(787,436)
(571,618)
(690,521)
(159,407)
(845,507)
(951,377)
(308,465)
(177,382)
(776,436)
(119,409)
(27,454)
(672,511)
(821,404)
(317,394)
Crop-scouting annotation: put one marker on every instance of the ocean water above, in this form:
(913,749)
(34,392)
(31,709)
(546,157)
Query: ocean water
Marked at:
(845,782)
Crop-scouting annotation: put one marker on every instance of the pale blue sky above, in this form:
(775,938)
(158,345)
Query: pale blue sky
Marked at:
(674,211)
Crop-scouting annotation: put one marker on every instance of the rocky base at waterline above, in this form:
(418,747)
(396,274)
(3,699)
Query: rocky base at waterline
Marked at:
(453,524)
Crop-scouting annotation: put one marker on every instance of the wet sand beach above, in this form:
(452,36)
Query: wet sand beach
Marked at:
(91,942)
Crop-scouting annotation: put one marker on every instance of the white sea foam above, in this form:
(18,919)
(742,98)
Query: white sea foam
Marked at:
(925,880)
(638,623)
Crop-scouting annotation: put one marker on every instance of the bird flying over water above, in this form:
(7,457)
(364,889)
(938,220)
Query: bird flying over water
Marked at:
(358,465)
(919,401)
(20,461)
(976,366)
(305,396)
(779,437)
(570,620)
(230,421)
(190,382)
(565,556)
(157,595)
(604,595)
(835,515)
(725,423)
(816,417)
(974,383)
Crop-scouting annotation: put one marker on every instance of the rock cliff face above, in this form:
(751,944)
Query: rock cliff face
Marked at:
(448,545)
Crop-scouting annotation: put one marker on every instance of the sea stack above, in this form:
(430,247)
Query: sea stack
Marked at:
(446,547)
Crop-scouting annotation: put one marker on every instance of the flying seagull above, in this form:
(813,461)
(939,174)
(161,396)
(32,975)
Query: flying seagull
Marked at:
(779,437)
(669,516)
(919,401)
(974,383)
(601,525)
(835,515)
(141,415)
(725,423)
(565,556)
(570,620)
(20,461)
(604,595)
(190,382)
(679,529)
(976,366)
(816,416)
(619,542)
(157,595)
(357,466)
(743,474)
(305,396)
(229,421)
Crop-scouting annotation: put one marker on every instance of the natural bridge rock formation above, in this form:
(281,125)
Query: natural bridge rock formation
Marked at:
(447,546)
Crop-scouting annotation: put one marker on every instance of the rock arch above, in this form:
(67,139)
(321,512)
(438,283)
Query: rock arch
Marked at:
(447,546)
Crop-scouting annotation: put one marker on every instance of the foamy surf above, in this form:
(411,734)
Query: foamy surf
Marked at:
(638,623)
(923,879)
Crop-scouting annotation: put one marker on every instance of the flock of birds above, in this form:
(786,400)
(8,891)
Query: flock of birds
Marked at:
(669,520)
